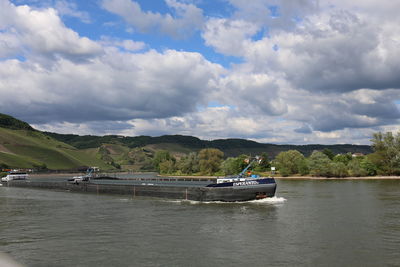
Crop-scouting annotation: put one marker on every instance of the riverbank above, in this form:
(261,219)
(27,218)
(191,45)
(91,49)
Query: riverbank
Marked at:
(215,177)
(339,178)
(304,177)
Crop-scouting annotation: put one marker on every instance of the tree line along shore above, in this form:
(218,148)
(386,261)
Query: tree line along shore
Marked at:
(384,162)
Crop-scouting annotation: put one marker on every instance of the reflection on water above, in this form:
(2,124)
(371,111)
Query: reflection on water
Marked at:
(309,223)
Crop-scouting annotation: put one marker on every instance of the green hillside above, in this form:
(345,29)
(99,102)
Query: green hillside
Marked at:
(33,149)
(186,144)
(9,122)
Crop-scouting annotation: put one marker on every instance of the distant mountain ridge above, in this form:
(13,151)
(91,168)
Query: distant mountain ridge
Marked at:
(231,147)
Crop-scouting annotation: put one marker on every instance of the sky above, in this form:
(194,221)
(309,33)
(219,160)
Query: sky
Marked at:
(284,72)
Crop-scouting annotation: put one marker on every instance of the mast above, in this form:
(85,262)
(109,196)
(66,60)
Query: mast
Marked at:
(240,175)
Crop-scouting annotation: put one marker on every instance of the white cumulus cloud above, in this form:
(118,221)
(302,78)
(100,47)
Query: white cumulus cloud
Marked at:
(185,21)
(41,33)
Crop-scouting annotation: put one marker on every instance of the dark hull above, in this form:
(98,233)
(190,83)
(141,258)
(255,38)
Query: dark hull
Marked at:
(229,193)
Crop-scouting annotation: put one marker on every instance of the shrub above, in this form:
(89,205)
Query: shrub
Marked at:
(290,162)
(320,164)
(338,169)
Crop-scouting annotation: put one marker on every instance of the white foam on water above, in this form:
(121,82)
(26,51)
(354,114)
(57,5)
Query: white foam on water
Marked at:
(268,201)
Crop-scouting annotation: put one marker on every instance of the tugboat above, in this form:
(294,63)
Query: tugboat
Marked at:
(245,187)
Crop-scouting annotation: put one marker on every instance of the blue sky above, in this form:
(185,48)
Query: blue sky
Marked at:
(272,71)
(106,23)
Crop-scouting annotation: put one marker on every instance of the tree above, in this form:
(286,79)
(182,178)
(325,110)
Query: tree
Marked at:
(368,166)
(264,164)
(241,162)
(355,168)
(234,165)
(210,160)
(304,168)
(344,158)
(338,169)
(167,167)
(229,166)
(387,148)
(290,162)
(161,156)
(329,153)
(320,164)
(189,164)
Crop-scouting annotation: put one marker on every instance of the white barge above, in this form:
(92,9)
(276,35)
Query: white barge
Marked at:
(15,175)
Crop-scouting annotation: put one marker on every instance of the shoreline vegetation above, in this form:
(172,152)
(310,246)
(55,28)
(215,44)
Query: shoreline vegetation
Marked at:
(297,177)
(383,162)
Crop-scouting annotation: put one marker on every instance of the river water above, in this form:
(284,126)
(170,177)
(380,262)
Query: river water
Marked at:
(309,223)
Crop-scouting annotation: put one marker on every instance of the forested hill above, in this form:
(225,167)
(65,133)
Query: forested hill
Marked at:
(9,122)
(230,147)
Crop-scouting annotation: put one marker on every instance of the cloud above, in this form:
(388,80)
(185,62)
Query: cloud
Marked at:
(215,122)
(229,37)
(317,71)
(274,15)
(354,110)
(187,19)
(384,10)
(90,127)
(304,129)
(68,79)
(116,86)
(127,45)
(68,8)
(252,93)
(339,51)
(41,34)
(309,71)
(333,51)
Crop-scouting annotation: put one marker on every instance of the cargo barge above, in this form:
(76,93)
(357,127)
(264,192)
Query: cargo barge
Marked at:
(228,189)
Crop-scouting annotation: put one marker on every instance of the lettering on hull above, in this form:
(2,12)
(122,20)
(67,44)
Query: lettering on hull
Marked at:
(245,183)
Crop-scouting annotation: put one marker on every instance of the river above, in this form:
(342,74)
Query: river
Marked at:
(308,223)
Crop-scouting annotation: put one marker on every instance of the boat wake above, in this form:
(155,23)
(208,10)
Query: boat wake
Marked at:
(265,201)
(268,200)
